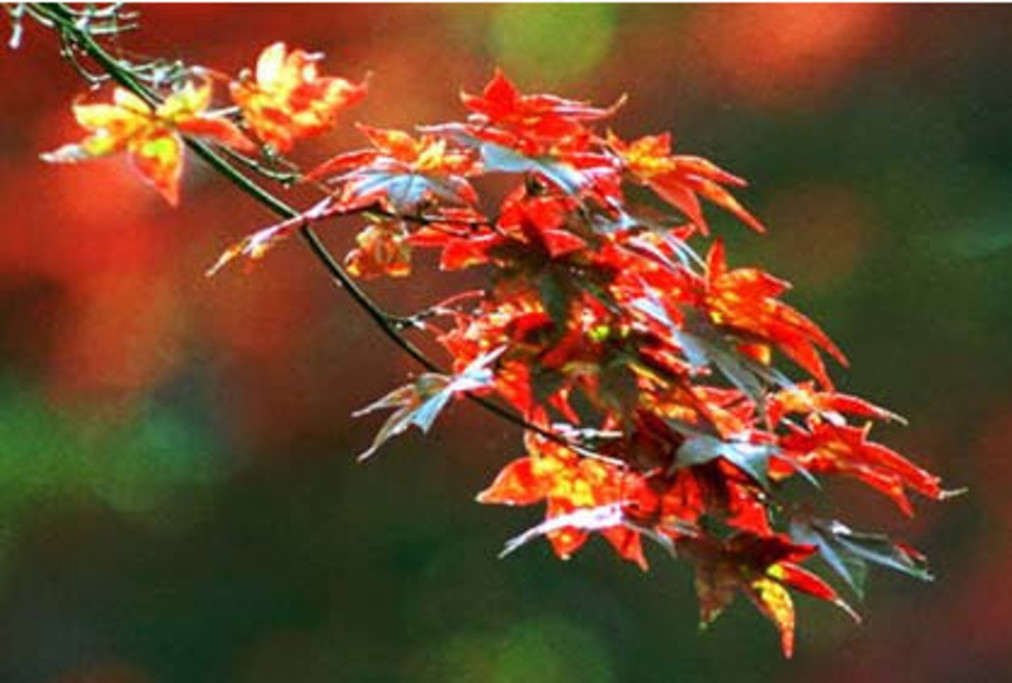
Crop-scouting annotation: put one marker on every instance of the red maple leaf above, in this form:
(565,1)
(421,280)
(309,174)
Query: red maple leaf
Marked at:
(400,171)
(761,567)
(824,447)
(745,300)
(678,179)
(566,482)
(532,123)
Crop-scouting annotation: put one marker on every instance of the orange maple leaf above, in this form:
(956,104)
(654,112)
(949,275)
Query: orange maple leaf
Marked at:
(151,137)
(678,179)
(397,150)
(803,398)
(287,99)
(400,171)
(830,448)
(382,250)
(745,299)
(567,483)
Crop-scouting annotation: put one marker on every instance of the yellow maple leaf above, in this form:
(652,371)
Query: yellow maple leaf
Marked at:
(151,137)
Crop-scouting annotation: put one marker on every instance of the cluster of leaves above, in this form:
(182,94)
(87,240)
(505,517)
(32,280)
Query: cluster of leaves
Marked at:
(644,372)
(285,100)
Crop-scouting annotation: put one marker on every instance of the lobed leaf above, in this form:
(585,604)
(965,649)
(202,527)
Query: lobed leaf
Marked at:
(848,553)
(420,403)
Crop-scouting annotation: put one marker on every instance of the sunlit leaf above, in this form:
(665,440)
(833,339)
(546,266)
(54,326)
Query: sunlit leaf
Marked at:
(679,179)
(287,99)
(151,137)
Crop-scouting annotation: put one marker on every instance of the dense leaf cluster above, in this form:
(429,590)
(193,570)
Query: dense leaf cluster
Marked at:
(644,371)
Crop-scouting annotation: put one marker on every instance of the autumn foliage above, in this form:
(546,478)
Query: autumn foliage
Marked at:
(644,365)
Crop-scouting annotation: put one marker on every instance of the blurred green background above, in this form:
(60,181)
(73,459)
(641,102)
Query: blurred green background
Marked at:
(179,499)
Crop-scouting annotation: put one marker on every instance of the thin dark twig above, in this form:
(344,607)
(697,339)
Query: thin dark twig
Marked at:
(286,178)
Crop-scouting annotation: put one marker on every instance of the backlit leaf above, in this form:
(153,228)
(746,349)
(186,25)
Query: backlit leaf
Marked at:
(287,99)
(151,137)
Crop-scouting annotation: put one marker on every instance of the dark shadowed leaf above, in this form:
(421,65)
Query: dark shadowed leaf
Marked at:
(703,344)
(848,552)
(555,297)
(753,459)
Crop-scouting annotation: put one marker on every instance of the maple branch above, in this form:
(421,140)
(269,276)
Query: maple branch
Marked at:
(73,29)
(64,21)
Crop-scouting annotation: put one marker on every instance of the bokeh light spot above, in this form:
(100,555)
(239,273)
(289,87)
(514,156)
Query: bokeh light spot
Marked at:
(551,44)
(552,650)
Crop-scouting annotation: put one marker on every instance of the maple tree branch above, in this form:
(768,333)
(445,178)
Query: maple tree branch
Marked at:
(73,28)
(65,23)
